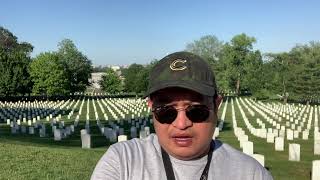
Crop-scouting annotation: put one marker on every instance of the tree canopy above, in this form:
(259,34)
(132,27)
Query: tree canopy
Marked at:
(61,73)
(14,64)
(78,67)
(48,75)
(111,82)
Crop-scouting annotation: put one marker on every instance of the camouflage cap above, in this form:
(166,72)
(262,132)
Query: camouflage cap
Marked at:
(184,70)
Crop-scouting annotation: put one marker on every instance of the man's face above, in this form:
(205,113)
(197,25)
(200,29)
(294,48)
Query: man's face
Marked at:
(183,138)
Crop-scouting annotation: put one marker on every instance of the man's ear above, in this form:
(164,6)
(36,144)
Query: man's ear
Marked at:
(150,103)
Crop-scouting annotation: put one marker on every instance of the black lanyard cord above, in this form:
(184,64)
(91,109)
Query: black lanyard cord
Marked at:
(168,165)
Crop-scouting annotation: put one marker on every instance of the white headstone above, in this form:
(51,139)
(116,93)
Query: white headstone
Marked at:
(122,138)
(86,141)
(279,144)
(57,134)
(276,132)
(68,131)
(23,129)
(270,137)
(13,130)
(262,133)
(31,130)
(294,152)
(296,134)
(305,135)
(316,147)
(113,136)
(147,130)
(83,131)
(142,134)
(315,170)
(289,134)
(247,147)
(282,133)
(72,127)
(42,131)
(133,132)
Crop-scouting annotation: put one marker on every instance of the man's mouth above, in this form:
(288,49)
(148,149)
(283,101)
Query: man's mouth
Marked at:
(182,141)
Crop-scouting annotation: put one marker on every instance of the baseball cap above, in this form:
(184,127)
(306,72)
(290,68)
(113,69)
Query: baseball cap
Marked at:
(184,70)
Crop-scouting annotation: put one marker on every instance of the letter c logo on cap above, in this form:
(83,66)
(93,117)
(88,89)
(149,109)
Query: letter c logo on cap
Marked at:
(178,65)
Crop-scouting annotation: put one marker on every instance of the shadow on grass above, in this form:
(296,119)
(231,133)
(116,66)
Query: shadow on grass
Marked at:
(226,126)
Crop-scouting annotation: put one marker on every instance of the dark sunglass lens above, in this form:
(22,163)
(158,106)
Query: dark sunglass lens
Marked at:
(197,113)
(166,115)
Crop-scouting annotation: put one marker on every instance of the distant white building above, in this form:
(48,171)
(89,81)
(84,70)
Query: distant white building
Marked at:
(95,78)
(115,68)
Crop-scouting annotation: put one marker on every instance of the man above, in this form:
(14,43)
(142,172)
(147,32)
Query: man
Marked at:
(183,96)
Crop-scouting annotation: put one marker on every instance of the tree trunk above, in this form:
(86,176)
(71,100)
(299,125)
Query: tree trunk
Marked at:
(285,99)
(238,86)
(284,93)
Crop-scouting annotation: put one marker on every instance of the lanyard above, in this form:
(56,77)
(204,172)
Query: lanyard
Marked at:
(168,165)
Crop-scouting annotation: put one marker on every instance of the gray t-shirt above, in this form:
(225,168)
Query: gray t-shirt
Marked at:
(141,159)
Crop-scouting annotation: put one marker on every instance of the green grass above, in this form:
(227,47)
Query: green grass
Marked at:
(21,159)
(32,157)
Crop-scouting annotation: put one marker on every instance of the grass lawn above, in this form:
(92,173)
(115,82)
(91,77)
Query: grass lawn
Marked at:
(24,157)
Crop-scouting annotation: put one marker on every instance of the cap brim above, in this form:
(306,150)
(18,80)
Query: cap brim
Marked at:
(193,86)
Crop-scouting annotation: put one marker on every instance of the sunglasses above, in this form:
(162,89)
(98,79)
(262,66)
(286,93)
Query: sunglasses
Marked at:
(167,114)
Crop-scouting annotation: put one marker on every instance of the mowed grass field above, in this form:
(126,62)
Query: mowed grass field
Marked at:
(31,157)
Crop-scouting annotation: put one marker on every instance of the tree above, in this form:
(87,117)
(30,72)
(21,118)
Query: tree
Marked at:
(132,76)
(14,64)
(111,82)
(208,47)
(306,79)
(253,76)
(7,40)
(281,66)
(47,72)
(76,65)
(236,55)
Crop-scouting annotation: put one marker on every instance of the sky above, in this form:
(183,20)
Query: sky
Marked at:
(122,32)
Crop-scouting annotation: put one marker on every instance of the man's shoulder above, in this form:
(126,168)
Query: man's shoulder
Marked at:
(136,144)
(238,163)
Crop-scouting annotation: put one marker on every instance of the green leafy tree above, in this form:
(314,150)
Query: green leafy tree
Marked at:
(14,64)
(111,82)
(236,55)
(208,47)
(253,78)
(132,76)
(306,79)
(76,65)
(48,75)
(281,65)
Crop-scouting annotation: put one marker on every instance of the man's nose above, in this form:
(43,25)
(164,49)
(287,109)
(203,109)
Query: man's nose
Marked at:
(182,121)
